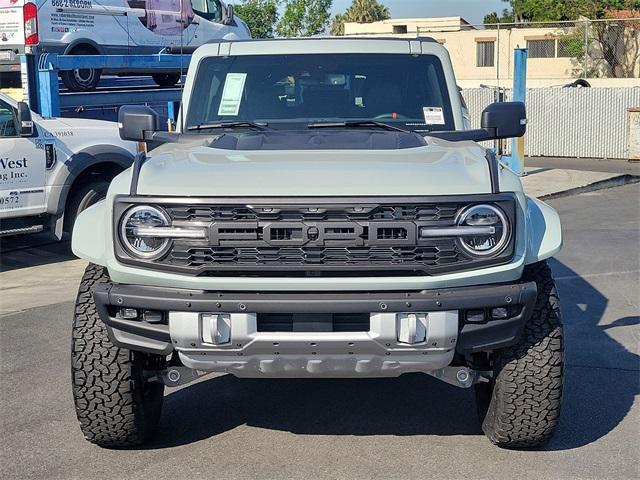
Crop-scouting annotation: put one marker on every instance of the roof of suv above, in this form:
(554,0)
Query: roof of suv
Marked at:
(316,45)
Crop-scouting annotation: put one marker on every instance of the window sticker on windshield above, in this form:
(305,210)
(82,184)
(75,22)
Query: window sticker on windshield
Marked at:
(433,115)
(232,94)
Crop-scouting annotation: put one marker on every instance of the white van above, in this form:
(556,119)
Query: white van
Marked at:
(111,27)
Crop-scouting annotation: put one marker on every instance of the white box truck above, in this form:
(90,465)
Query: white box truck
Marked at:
(110,27)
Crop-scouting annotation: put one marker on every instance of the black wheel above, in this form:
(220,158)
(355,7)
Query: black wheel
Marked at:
(520,407)
(166,79)
(88,194)
(115,403)
(81,79)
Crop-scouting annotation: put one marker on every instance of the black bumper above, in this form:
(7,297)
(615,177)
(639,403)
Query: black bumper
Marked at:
(473,337)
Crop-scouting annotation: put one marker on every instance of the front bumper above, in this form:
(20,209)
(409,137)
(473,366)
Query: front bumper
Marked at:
(376,352)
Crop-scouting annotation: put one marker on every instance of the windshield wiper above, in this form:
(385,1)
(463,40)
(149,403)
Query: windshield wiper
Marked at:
(206,126)
(357,124)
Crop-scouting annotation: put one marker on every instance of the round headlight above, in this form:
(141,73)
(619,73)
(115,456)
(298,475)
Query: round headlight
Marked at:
(137,219)
(491,227)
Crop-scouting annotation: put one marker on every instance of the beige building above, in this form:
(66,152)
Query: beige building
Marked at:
(483,56)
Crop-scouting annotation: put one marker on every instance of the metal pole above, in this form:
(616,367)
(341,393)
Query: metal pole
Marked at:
(516,160)
(586,48)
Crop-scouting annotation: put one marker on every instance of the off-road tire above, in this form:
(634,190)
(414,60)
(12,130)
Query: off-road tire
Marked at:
(520,407)
(115,404)
(166,79)
(88,194)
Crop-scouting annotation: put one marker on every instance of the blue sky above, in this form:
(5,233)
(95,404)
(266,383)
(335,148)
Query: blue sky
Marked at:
(472,10)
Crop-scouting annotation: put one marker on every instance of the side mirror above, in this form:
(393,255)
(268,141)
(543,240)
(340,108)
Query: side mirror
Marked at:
(499,120)
(137,123)
(505,120)
(229,15)
(25,124)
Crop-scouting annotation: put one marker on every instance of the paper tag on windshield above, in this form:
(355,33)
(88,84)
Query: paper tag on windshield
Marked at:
(232,94)
(433,115)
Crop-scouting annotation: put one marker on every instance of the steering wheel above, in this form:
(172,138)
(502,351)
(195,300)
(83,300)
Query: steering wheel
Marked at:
(390,116)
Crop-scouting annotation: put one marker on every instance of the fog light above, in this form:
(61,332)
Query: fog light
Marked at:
(216,328)
(152,316)
(475,316)
(128,313)
(499,312)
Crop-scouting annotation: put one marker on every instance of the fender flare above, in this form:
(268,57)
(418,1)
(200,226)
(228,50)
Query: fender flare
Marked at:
(544,231)
(76,165)
(89,240)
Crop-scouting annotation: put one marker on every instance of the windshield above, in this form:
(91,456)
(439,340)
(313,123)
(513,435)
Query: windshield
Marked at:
(293,91)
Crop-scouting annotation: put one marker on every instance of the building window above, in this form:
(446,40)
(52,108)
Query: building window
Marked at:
(541,48)
(399,29)
(485,54)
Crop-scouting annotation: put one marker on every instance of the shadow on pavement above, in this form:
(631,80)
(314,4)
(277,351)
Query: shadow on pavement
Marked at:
(602,379)
(31,251)
(595,401)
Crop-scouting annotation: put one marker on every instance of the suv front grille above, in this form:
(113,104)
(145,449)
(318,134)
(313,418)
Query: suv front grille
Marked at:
(367,237)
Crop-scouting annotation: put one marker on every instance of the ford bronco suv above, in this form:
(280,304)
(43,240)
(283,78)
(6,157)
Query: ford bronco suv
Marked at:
(322,210)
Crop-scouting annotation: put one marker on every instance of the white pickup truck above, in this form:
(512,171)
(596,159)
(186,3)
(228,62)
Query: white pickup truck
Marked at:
(52,169)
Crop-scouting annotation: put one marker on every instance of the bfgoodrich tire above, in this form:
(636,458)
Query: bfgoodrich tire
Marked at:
(520,407)
(115,403)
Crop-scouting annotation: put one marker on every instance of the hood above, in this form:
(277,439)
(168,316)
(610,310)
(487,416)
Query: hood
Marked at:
(195,169)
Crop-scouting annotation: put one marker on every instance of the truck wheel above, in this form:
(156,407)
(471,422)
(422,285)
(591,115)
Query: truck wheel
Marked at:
(81,79)
(166,79)
(520,407)
(88,194)
(115,403)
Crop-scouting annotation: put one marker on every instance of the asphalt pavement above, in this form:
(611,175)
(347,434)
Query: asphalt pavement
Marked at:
(409,427)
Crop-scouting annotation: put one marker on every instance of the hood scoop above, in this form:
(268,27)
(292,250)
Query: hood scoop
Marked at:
(347,139)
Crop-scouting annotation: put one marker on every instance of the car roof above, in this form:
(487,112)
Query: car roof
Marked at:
(320,45)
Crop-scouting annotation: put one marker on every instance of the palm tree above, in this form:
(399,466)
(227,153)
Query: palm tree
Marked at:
(361,11)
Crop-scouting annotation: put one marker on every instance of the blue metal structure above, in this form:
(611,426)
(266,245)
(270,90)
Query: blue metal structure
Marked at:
(515,161)
(43,86)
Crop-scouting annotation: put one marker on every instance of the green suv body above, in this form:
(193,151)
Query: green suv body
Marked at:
(323,210)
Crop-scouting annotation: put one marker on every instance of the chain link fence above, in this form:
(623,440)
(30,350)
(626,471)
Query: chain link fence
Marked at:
(608,48)
(596,48)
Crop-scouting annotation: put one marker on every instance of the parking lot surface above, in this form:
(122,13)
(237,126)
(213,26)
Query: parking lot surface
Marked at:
(410,427)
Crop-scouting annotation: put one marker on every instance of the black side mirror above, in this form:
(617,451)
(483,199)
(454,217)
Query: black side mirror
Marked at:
(505,120)
(25,124)
(228,15)
(499,120)
(137,123)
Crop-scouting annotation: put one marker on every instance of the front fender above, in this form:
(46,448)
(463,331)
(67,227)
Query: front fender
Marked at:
(90,236)
(544,232)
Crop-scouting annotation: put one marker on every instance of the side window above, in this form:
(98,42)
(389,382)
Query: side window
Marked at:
(8,120)
(208,9)
(541,48)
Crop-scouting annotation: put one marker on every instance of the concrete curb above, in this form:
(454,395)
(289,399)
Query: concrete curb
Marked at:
(616,181)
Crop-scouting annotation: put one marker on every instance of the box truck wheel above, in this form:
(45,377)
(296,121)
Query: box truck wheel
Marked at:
(81,79)
(85,196)
(166,79)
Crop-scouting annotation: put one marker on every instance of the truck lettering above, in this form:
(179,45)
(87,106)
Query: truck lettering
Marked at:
(11,164)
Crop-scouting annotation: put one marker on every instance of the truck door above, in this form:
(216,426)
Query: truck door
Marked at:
(22,168)
(209,16)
